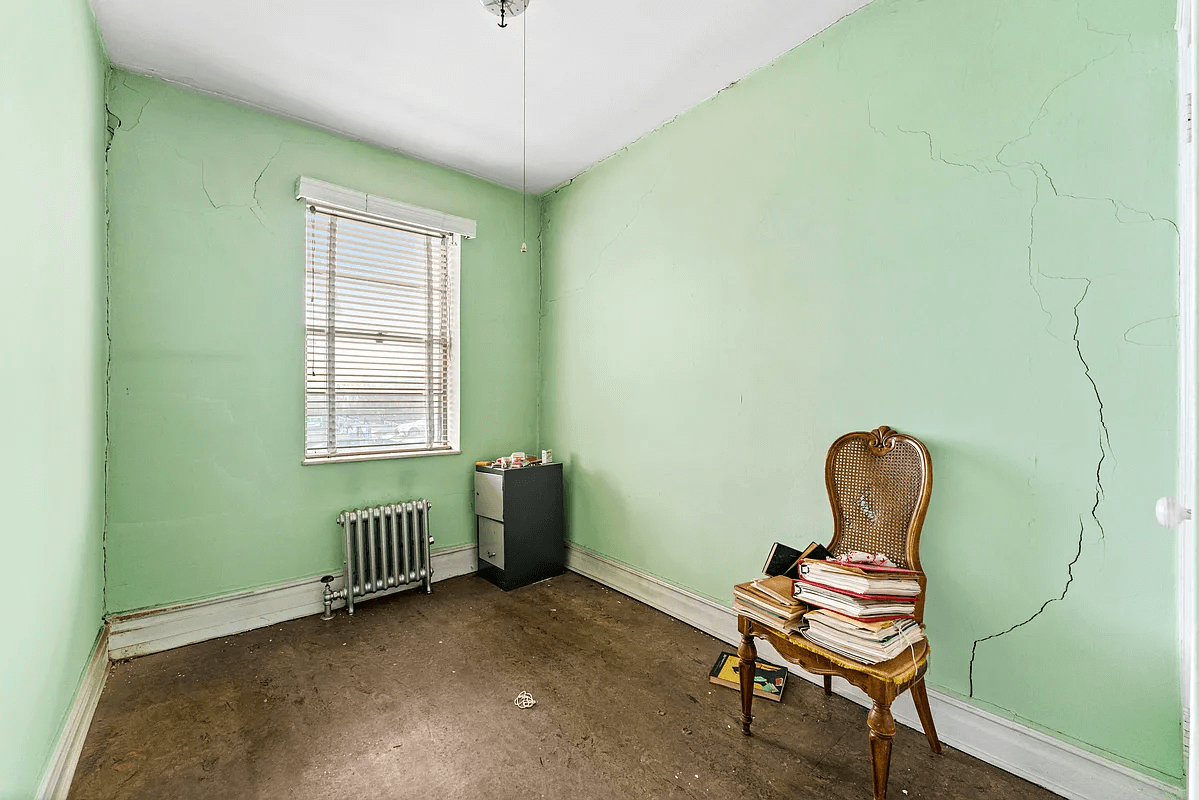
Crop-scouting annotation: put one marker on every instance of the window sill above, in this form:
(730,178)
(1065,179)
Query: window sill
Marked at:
(378,457)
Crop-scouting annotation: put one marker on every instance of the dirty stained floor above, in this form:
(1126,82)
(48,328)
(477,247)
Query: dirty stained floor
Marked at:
(413,695)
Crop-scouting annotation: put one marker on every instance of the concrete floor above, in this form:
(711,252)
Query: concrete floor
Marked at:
(413,695)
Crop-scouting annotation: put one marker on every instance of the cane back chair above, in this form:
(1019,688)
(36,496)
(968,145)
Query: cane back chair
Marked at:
(878,486)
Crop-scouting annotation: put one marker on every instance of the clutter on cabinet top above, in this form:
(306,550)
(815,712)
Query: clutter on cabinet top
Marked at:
(517,460)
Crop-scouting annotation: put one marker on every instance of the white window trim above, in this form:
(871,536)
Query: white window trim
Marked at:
(338,199)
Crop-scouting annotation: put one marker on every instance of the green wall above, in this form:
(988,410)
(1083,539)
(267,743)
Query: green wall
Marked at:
(950,218)
(206,491)
(52,329)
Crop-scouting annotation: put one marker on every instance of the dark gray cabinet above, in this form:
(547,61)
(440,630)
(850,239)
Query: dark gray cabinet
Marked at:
(521,524)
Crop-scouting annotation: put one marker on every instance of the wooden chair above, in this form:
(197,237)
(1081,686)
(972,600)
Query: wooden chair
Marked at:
(878,485)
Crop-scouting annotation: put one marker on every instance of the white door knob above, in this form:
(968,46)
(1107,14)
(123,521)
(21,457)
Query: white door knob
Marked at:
(1171,513)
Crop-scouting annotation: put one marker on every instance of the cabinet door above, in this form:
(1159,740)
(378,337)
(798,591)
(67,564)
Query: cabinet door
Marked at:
(489,495)
(491,542)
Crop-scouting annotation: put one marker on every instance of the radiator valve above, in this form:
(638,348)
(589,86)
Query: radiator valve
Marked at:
(328,597)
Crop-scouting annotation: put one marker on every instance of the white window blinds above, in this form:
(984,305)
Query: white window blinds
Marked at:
(381,318)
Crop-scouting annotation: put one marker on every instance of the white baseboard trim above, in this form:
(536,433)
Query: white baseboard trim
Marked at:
(56,781)
(157,629)
(1056,765)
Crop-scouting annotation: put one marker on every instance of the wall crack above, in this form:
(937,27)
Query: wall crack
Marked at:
(253,207)
(113,123)
(1148,322)
(1103,435)
(599,260)
(1127,37)
(1046,604)
(1121,213)
(256,208)
(1042,110)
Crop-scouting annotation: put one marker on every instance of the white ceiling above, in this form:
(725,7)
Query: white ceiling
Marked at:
(438,80)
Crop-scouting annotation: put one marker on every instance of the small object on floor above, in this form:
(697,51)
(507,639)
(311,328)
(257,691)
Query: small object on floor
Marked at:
(524,700)
(769,680)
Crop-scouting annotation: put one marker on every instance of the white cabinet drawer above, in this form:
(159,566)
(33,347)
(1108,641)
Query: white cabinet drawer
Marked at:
(489,495)
(491,542)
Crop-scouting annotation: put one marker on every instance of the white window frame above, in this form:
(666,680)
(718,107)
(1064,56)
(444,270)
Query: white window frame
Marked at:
(337,200)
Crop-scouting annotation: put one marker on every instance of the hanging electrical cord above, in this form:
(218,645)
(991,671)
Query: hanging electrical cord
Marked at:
(524,131)
(515,8)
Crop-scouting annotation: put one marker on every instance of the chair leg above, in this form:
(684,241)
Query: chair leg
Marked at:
(882,731)
(747,654)
(828,685)
(920,698)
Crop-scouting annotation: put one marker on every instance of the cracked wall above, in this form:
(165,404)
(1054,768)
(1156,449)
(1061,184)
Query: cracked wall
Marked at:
(951,218)
(52,68)
(206,492)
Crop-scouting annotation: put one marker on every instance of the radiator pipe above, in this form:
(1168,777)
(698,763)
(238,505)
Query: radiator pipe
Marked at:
(424,534)
(329,597)
(352,539)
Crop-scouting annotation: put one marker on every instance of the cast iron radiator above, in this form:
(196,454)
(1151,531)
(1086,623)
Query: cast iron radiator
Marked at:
(386,546)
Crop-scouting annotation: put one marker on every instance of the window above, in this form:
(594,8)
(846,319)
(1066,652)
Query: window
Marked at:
(381,315)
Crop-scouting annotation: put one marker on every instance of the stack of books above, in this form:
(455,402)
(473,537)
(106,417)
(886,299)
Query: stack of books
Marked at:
(863,612)
(869,642)
(770,601)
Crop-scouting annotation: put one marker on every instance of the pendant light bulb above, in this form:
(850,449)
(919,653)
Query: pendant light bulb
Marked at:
(524,248)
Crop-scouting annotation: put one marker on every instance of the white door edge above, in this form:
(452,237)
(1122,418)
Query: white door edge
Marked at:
(1186,377)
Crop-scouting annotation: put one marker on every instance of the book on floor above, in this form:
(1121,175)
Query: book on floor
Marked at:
(853,604)
(862,579)
(769,680)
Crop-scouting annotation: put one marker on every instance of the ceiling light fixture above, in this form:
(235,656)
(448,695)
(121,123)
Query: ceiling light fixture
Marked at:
(514,8)
(505,8)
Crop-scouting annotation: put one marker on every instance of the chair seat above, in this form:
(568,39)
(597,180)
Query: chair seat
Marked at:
(899,671)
